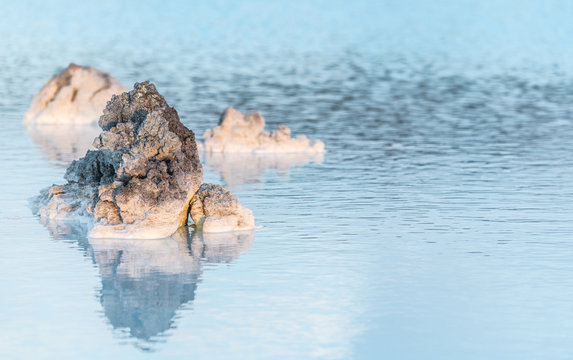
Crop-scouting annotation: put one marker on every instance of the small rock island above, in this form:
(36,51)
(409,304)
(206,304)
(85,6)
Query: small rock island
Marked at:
(143,178)
(239,132)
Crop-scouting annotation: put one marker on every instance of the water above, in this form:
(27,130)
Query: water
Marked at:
(437,225)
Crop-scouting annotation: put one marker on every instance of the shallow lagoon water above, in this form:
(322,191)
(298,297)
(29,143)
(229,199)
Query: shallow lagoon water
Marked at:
(437,225)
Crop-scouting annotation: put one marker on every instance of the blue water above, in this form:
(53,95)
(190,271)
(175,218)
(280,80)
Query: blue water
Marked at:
(437,225)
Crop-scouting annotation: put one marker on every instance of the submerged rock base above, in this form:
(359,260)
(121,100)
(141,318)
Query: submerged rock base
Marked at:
(238,132)
(214,209)
(77,95)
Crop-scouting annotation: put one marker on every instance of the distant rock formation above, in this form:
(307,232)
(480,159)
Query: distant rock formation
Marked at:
(76,95)
(238,132)
(140,180)
(214,209)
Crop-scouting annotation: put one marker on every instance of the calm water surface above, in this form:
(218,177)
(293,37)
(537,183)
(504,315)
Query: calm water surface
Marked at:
(438,224)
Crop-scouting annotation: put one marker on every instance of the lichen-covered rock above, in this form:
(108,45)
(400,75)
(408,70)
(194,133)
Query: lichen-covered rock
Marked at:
(76,95)
(214,209)
(140,180)
(238,132)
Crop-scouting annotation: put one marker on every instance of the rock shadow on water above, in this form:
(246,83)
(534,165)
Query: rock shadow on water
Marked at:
(237,169)
(146,282)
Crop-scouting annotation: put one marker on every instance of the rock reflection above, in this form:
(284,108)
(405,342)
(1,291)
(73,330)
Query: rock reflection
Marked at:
(62,143)
(224,247)
(145,282)
(237,169)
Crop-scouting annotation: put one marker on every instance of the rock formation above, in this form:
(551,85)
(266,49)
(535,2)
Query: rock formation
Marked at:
(214,209)
(238,132)
(140,180)
(76,95)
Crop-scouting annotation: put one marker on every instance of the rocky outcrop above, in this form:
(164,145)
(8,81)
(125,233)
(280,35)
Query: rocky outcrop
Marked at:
(140,180)
(214,209)
(238,132)
(76,95)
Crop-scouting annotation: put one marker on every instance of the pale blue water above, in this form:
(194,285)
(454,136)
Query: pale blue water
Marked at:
(438,225)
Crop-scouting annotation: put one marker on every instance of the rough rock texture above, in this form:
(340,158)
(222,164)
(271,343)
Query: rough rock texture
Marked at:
(76,95)
(140,180)
(238,132)
(214,209)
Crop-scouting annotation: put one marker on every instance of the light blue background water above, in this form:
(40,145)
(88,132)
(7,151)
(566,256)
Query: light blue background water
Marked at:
(437,225)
